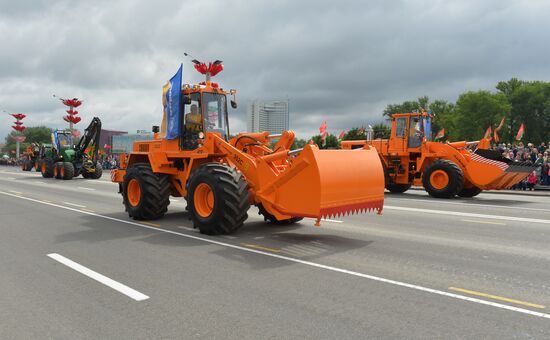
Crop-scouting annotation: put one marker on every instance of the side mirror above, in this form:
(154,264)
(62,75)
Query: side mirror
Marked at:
(155,129)
(233,104)
(186,100)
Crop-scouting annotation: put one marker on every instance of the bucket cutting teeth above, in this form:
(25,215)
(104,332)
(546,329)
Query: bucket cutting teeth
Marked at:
(352,209)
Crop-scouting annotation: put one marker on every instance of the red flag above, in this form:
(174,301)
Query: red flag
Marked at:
(440,134)
(488,132)
(501,124)
(323,127)
(521,132)
(342,134)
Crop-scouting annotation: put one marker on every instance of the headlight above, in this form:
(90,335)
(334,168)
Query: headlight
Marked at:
(201,135)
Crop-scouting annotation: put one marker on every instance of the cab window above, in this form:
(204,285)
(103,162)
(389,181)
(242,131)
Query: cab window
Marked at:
(400,124)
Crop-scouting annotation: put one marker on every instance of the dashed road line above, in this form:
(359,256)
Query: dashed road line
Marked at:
(86,188)
(496,297)
(255,246)
(151,224)
(119,287)
(307,263)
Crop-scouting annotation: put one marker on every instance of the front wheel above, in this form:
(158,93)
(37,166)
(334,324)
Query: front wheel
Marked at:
(146,195)
(46,168)
(469,192)
(218,199)
(443,179)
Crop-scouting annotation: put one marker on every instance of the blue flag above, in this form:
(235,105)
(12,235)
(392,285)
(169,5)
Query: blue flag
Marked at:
(173,106)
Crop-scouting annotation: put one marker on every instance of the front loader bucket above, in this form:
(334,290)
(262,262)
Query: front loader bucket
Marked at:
(325,183)
(491,174)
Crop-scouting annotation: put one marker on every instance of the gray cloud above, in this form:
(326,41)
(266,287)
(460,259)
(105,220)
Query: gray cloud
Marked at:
(337,61)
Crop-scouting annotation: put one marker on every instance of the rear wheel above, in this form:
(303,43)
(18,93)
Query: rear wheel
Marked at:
(37,166)
(469,192)
(58,170)
(443,179)
(46,168)
(146,195)
(27,165)
(398,188)
(218,199)
(273,220)
(67,170)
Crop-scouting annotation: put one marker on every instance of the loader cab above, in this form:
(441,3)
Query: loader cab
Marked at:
(203,112)
(409,131)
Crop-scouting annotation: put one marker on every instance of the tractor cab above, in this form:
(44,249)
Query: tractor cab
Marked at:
(410,130)
(205,107)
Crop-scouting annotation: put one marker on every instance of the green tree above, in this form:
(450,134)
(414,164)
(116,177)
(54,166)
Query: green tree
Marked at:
(298,143)
(33,134)
(357,133)
(331,141)
(531,106)
(475,112)
(381,130)
(407,106)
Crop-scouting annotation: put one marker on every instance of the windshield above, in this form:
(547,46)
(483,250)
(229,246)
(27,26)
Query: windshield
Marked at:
(428,128)
(63,140)
(215,113)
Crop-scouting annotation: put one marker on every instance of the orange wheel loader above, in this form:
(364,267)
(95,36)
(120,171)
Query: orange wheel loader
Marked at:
(220,177)
(410,157)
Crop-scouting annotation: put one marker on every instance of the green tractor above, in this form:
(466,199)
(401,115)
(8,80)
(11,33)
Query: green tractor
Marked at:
(63,160)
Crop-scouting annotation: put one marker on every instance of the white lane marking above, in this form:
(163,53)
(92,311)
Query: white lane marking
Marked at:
(16,192)
(463,214)
(75,205)
(132,293)
(307,263)
(39,182)
(333,221)
(85,188)
(473,204)
(9,177)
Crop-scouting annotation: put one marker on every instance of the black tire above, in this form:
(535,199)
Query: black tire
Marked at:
(57,170)
(469,192)
(37,165)
(230,197)
(97,173)
(273,220)
(155,193)
(398,188)
(455,182)
(46,168)
(68,169)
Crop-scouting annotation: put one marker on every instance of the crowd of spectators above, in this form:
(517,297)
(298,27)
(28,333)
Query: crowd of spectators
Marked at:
(537,155)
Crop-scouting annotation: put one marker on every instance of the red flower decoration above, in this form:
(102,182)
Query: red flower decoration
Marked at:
(19,128)
(72,119)
(72,102)
(213,69)
(18,116)
(72,112)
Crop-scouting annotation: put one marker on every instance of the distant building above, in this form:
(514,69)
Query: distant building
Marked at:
(267,115)
(106,138)
(125,143)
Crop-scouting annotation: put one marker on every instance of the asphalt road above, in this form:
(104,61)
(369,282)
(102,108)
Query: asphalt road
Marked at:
(73,265)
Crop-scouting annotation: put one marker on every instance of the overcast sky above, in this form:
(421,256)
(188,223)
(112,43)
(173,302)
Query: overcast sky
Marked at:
(339,61)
